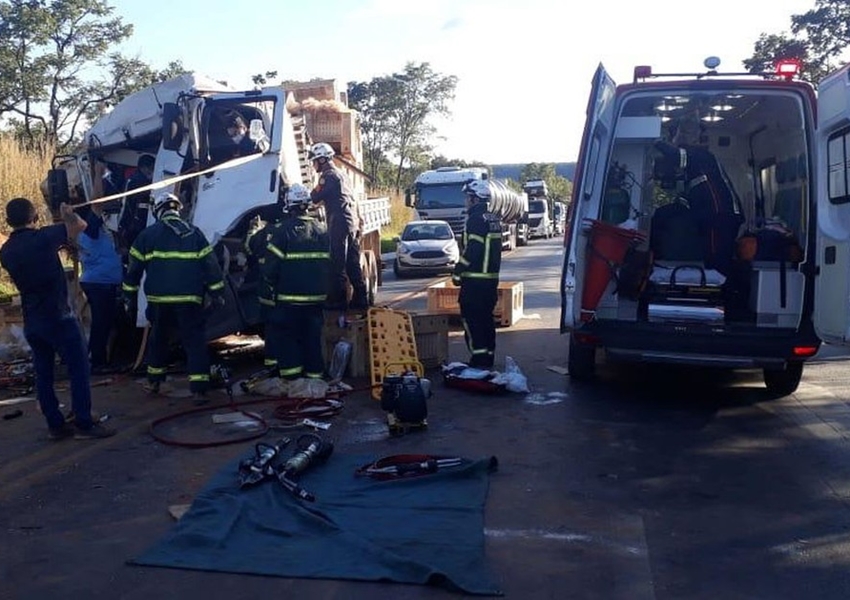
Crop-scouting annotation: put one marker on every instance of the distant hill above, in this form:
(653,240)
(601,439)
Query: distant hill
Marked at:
(565,170)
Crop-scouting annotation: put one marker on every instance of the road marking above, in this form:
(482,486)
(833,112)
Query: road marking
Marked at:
(565,537)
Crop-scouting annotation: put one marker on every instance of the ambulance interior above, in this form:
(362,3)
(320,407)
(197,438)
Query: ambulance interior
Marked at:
(719,249)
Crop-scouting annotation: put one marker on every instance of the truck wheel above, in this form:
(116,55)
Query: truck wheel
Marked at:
(581,361)
(785,381)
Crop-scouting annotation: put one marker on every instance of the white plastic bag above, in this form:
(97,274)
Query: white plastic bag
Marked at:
(512,378)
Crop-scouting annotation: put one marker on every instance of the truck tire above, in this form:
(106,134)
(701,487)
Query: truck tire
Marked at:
(581,361)
(782,382)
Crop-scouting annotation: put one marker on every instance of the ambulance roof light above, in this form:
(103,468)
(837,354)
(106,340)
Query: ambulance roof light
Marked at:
(642,72)
(788,67)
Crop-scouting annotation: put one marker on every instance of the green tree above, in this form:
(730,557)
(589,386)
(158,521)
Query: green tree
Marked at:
(57,69)
(818,37)
(261,79)
(373,102)
(395,116)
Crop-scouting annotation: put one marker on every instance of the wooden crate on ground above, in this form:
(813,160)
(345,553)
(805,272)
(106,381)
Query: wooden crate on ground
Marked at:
(355,333)
(431,331)
(443,298)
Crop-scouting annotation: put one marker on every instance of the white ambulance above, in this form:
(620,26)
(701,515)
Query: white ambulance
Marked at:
(710,222)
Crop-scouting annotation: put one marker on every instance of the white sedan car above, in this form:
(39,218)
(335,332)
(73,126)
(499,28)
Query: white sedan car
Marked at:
(426,247)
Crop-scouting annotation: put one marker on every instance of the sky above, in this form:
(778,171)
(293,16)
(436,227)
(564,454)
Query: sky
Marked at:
(524,67)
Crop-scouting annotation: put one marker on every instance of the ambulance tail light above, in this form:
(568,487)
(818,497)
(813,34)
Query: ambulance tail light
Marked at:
(805,351)
(788,68)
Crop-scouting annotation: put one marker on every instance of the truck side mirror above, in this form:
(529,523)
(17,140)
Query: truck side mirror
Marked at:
(408,198)
(172,126)
(57,188)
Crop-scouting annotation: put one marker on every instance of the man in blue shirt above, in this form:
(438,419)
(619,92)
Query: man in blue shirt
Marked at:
(101,277)
(30,256)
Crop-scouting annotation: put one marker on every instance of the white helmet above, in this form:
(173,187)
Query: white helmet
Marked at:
(321,150)
(165,202)
(297,196)
(478,188)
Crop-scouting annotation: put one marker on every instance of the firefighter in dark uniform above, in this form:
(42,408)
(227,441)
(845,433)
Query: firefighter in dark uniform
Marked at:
(477,274)
(181,270)
(343,229)
(297,267)
(256,244)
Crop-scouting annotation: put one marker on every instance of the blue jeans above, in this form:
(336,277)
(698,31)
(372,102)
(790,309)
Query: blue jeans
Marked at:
(63,337)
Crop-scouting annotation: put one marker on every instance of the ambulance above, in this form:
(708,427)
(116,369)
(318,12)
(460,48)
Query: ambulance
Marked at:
(710,222)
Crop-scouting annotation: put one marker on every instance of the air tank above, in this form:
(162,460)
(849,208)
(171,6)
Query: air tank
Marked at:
(507,204)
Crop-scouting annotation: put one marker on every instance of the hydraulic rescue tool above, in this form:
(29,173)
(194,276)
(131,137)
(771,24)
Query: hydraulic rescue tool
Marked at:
(265,464)
(400,466)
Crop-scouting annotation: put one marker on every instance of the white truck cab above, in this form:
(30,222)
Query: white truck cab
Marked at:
(710,222)
(539,222)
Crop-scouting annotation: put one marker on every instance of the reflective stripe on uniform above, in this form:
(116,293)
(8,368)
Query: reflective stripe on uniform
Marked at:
(463,261)
(472,275)
(156,370)
(137,255)
(218,285)
(266,301)
(199,377)
(313,375)
(129,288)
(302,298)
(177,255)
(480,351)
(174,299)
(290,371)
(297,255)
(269,362)
(477,238)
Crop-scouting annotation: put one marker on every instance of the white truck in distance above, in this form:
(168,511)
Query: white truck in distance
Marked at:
(539,222)
(182,123)
(437,194)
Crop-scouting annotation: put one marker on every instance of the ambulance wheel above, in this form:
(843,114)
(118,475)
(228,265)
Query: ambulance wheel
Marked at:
(581,362)
(783,382)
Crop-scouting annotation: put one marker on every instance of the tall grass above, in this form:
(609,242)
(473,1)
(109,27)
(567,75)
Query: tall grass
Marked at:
(400,215)
(21,172)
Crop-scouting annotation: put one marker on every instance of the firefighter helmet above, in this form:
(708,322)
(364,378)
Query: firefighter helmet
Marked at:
(297,196)
(165,202)
(478,189)
(321,150)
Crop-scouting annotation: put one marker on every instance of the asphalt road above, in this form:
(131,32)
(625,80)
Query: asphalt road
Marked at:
(650,483)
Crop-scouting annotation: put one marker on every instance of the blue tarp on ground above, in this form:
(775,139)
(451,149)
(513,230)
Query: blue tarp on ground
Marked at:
(423,530)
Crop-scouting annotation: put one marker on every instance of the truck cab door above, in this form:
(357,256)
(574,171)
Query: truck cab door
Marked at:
(832,164)
(246,180)
(590,167)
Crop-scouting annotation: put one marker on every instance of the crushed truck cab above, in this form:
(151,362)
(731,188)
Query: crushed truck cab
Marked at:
(223,183)
(710,222)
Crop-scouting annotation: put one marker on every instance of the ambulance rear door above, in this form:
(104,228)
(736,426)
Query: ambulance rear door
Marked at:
(832,164)
(590,169)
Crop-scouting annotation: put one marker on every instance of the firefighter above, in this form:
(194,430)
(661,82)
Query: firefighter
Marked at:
(256,244)
(297,267)
(181,271)
(343,228)
(477,274)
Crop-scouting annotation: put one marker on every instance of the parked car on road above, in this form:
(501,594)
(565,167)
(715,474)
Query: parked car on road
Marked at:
(426,247)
